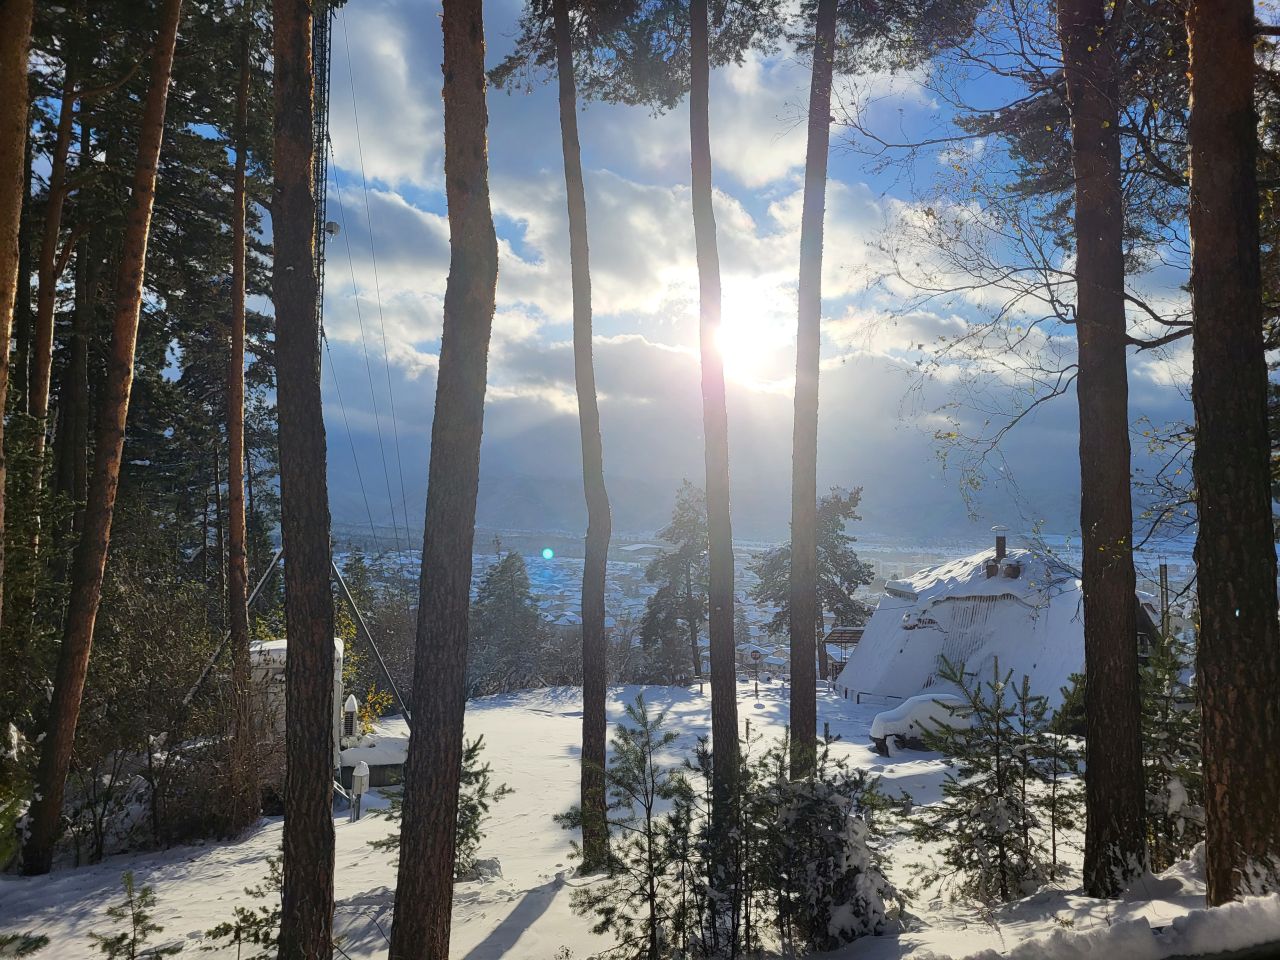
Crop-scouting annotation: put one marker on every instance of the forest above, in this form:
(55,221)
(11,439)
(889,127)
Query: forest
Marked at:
(190,646)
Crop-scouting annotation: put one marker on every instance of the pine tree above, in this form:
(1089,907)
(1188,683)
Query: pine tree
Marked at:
(476,794)
(841,573)
(829,881)
(424,888)
(91,552)
(135,911)
(1171,757)
(244,787)
(1239,644)
(15,29)
(1114,832)
(986,820)
(508,633)
(634,902)
(306,928)
(681,570)
(570,30)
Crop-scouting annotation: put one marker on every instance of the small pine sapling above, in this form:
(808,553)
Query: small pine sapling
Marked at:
(1171,757)
(476,794)
(135,910)
(1060,801)
(989,833)
(633,903)
(22,944)
(258,927)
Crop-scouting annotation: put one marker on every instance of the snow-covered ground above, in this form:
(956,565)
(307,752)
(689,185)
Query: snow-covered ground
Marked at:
(532,743)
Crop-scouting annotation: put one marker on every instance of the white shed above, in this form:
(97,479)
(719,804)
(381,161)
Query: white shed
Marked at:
(267,662)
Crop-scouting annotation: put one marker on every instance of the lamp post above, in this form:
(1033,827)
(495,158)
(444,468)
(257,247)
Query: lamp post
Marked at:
(755,662)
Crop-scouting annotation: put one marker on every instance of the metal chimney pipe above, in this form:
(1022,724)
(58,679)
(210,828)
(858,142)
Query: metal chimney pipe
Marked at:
(1000,547)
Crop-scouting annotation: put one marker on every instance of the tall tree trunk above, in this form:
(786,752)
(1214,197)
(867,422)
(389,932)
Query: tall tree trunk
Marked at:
(243,766)
(90,558)
(219,532)
(19,379)
(1115,845)
(595,827)
(306,928)
(1239,646)
(49,269)
(693,612)
(15,36)
(424,891)
(805,612)
(715,421)
(73,396)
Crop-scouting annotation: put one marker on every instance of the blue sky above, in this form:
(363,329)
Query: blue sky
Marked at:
(877,416)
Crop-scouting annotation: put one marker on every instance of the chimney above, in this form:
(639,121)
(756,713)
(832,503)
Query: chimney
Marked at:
(1001,542)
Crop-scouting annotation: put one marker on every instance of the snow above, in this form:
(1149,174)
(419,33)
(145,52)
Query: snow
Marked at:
(1032,623)
(386,745)
(532,741)
(915,715)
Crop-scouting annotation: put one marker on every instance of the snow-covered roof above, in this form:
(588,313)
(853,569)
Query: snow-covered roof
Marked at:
(266,652)
(386,745)
(1032,623)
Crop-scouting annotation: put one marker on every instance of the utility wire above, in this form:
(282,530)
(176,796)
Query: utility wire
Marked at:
(368,364)
(377,287)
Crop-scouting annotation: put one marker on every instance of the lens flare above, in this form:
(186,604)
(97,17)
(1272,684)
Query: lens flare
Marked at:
(547,553)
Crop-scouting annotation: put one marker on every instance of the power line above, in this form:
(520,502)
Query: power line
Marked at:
(377,287)
(364,344)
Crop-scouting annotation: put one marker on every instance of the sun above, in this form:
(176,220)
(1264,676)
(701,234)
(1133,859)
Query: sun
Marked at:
(755,342)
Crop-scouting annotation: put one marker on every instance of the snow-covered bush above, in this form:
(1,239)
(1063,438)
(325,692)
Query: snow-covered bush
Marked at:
(825,874)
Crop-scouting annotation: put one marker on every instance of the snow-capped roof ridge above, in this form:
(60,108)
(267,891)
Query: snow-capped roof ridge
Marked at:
(1037,573)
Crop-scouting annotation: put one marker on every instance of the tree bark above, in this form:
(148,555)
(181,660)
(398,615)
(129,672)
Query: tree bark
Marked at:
(15,37)
(424,891)
(306,928)
(219,533)
(72,449)
(243,766)
(19,376)
(804,608)
(1115,847)
(90,558)
(595,827)
(49,270)
(1239,645)
(715,422)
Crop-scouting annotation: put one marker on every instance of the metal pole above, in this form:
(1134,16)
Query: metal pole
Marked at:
(226,637)
(1164,599)
(368,637)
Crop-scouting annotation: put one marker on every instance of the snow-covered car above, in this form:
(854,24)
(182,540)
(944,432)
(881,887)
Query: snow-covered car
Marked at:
(905,724)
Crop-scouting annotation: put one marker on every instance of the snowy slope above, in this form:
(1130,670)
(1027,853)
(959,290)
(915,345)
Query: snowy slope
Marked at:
(532,743)
(1032,624)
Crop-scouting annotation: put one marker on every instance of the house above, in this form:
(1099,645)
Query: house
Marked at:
(1022,607)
